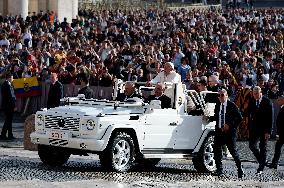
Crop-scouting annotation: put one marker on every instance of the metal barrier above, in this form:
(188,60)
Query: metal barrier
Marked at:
(32,104)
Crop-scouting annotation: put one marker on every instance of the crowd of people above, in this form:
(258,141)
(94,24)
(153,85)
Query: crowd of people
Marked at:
(242,47)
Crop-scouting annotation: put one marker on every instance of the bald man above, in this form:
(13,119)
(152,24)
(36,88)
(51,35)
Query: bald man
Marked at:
(159,95)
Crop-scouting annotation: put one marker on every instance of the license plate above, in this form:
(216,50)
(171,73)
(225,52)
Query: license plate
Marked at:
(58,135)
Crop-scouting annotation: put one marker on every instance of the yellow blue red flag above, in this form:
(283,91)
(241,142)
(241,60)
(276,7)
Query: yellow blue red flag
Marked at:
(26,87)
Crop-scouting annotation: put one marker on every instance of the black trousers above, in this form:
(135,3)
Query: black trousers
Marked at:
(260,154)
(7,127)
(277,153)
(229,139)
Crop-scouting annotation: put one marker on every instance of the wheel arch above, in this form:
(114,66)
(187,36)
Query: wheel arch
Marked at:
(206,133)
(129,131)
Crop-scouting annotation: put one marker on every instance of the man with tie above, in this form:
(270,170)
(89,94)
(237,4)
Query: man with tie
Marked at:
(280,134)
(260,124)
(8,106)
(159,95)
(227,117)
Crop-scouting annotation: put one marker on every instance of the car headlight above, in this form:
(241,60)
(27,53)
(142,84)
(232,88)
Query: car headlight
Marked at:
(90,125)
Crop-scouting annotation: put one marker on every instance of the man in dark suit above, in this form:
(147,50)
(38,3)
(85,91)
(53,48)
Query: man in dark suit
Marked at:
(228,117)
(159,95)
(8,106)
(55,92)
(260,124)
(86,90)
(280,134)
(129,92)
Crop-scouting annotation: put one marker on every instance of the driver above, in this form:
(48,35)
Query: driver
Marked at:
(129,92)
(159,95)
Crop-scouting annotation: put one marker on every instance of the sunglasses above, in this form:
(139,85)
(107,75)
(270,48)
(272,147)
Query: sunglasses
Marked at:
(221,95)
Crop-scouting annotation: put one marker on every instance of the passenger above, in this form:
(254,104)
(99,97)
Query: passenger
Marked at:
(168,75)
(129,92)
(159,95)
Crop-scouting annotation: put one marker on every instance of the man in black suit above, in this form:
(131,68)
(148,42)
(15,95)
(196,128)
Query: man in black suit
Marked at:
(55,92)
(129,92)
(8,106)
(86,90)
(280,134)
(228,117)
(260,124)
(159,95)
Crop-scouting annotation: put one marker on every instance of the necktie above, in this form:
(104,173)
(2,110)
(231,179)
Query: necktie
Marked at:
(257,103)
(222,121)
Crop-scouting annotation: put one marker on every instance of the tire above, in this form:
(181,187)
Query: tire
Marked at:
(119,154)
(204,161)
(53,156)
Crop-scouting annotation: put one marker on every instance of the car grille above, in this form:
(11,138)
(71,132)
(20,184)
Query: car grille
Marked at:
(69,123)
(57,142)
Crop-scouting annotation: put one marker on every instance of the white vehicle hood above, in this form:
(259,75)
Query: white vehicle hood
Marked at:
(94,111)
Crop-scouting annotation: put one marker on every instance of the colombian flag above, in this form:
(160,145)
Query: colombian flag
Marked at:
(26,87)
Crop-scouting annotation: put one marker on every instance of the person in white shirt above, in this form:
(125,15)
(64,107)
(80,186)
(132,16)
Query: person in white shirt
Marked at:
(27,38)
(5,42)
(168,75)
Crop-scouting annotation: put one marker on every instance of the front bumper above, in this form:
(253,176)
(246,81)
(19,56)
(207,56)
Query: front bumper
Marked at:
(74,143)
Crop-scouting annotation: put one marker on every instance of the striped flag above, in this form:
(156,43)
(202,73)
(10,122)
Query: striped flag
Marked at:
(26,87)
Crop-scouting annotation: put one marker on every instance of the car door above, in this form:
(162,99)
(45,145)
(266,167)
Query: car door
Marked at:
(188,132)
(159,128)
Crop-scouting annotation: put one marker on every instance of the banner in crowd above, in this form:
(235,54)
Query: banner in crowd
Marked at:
(26,87)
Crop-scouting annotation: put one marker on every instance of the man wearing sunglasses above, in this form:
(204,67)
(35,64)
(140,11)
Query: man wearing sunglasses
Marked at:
(228,117)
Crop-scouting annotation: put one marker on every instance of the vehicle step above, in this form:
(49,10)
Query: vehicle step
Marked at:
(168,156)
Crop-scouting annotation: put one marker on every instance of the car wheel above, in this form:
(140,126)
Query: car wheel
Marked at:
(53,156)
(119,154)
(204,161)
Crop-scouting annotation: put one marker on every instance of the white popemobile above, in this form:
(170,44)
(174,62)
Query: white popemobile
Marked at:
(128,133)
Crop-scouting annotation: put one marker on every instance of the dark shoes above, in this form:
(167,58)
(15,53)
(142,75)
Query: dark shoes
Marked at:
(11,138)
(273,166)
(240,173)
(2,137)
(7,138)
(259,171)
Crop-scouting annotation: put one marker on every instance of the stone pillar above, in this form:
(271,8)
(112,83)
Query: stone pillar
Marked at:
(1,7)
(18,7)
(64,8)
(75,7)
(33,6)
(42,5)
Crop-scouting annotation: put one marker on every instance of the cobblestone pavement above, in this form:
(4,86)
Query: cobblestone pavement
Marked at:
(21,168)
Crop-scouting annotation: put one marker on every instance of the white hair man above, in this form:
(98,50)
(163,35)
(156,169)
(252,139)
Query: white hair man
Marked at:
(168,75)
(260,113)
